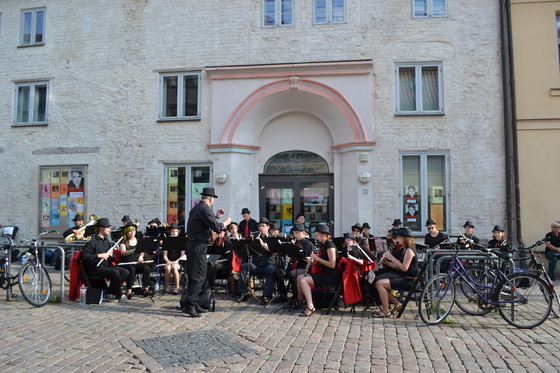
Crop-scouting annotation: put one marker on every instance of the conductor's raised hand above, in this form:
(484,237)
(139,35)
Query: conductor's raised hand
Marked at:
(220,213)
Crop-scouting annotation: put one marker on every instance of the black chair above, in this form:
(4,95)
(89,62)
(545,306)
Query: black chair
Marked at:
(331,290)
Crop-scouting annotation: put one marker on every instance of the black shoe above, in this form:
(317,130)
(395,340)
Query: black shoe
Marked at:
(200,309)
(242,298)
(265,300)
(191,312)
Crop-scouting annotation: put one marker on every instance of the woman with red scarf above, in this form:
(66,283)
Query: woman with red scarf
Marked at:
(324,269)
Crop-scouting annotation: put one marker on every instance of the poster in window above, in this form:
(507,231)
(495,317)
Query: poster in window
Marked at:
(173,175)
(287,212)
(76,183)
(412,217)
(436,194)
(275,196)
(287,196)
(411,194)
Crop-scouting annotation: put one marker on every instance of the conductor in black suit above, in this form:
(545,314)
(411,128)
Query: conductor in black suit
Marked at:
(202,222)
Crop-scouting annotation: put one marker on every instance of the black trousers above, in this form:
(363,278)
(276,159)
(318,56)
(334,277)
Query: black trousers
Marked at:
(117,274)
(196,271)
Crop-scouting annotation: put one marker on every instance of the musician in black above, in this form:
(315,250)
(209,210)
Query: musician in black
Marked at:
(468,235)
(248,225)
(97,256)
(172,265)
(78,224)
(357,232)
(201,223)
(127,254)
(265,265)
(552,250)
(297,266)
(499,241)
(222,266)
(433,237)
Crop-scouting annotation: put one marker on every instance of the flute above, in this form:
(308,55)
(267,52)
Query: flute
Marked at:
(112,248)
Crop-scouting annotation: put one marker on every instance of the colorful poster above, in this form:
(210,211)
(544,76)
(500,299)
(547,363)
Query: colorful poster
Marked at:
(196,189)
(172,191)
(55,191)
(287,196)
(46,205)
(45,190)
(55,217)
(287,212)
(45,219)
(45,176)
(173,175)
(54,203)
(63,189)
(64,177)
(55,176)
(275,196)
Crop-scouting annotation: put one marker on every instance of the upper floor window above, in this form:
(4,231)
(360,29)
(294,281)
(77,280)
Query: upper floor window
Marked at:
(32,27)
(419,88)
(558,32)
(278,13)
(429,8)
(329,11)
(179,96)
(31,103)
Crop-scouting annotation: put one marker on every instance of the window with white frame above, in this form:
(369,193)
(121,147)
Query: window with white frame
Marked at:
(183,184)
(423,189)
(329,11)
(31,100)
(429,8)
(419,88)
(179,96)
(278,13)
(32,27)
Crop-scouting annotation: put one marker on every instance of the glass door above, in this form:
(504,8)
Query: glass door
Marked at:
(284,197)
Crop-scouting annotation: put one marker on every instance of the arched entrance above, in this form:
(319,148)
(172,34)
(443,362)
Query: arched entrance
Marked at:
(296,182)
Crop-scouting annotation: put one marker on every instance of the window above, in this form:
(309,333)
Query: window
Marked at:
(179,96)
(32,27)
(278,13)
(423,189)
(419,88)
(31,103)
(558,33)
(62,196)
(429,8)
(184,185)
(328,11)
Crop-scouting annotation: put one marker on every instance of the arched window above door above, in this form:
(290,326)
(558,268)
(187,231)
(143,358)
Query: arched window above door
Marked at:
(296,162)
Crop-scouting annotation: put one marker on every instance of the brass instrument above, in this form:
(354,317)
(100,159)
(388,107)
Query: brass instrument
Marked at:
(80,236)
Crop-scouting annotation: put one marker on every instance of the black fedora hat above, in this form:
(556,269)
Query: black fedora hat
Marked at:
(397,222)
(299,228)
(349,235)
(245,210)
(125,218)
(264,221)
(209,191)
(357,226)
(78,217)
(366,225)
(322,228)
(174,226)
(404,232)
(468,223)
(103,223)
(498,228)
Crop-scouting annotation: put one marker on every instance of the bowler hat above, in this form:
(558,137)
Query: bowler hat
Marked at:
(498,228)
(397,222)
(78,217)
(357,226)
(349,235)
(245,210)
(366,225)
(125,218)
(404,232)
(430,222)
(468,223)
(298,228)
(103,223)
(264,221)
(322,228)
(209,191)
(299,214)
(154,220)
(273,226)
(174,226)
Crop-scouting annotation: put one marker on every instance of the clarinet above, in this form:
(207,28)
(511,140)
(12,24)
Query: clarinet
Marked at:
(308,265)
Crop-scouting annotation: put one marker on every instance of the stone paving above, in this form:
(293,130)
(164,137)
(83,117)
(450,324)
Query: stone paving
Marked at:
(141,336)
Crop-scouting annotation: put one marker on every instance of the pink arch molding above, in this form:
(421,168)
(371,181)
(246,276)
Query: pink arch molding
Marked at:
(352,118)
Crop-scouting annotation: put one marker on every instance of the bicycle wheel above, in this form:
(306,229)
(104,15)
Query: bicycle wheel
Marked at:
(525,300)
(6,279)
(555,301)
(436,299)
(467,299)
(35,284)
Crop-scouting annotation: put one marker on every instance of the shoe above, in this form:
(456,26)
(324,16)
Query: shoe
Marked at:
(147,293)
(396,309)
(129,296)
(175,292)
(109,298)
(123,299)
(305,314)
(265,300)
(199,309)
(191,312)
(381,314)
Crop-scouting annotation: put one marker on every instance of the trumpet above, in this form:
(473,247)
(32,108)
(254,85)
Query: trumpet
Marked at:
(77,236)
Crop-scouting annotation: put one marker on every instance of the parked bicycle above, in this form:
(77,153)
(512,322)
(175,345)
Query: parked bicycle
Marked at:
(523,299)
(33,279)
(7,280)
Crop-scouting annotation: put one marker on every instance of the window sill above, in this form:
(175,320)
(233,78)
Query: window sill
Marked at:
(405,114)
(555,91)
(31,45)
(42,124)
(167,120)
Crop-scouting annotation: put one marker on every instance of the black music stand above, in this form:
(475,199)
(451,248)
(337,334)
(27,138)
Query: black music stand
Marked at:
(176,244)
(285,247)
(249,248)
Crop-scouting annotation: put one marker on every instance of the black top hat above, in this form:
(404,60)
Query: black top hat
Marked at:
(404,232)
(103,223)
(245,210)
(78,217)
(264,221)
(366,225)
(125,218)
(299,228)
(155,220)
(299,214)
(273,226)
(349,235)
(468,223)
(357,226)
(498,228)
(174,226)
(209,191)
(397,222)
(430,222)
(322,228)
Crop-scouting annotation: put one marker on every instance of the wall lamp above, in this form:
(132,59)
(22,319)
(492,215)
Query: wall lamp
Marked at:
(364,177)
(221,178)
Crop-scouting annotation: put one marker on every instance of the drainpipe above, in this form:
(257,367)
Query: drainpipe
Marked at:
(513,205)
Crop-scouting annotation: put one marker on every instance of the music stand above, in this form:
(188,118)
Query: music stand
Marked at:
(249,248)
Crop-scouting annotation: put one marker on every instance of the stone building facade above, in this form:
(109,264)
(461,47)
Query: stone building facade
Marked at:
(330,108)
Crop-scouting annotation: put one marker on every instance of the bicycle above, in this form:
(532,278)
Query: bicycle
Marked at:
(33,279)
(7,280)
(522,299)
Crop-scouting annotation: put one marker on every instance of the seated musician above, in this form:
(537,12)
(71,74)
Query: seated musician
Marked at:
(171,260)
(324,269)
(499,241)
(400,268)
(233,230)
(97,259)
(434,237)
(468,235)
(77,229)
(222,266)
(265,264)
(297,266)
(128,254)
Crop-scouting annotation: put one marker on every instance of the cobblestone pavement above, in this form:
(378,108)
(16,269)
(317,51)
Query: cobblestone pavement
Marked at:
(141,336)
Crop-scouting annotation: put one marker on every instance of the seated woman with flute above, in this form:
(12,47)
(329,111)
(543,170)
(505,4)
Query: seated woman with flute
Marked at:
(137,264)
